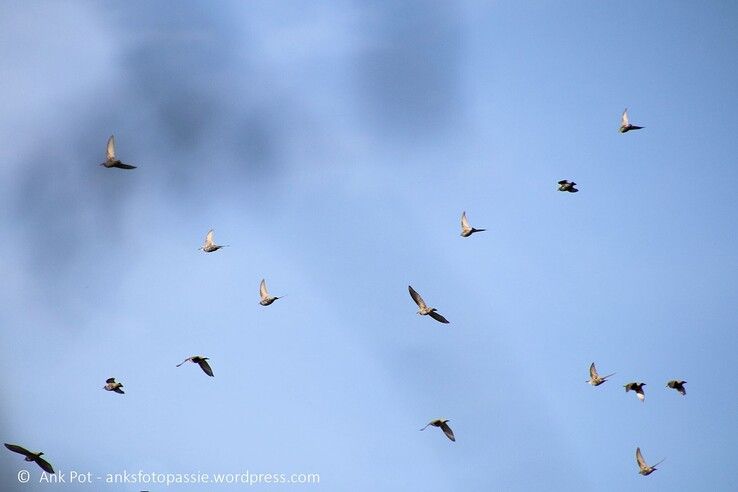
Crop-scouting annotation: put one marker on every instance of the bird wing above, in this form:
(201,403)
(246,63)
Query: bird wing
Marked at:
(18,449)
(563,182)
(110,380)
(464,222)
(426,426)
(592,371)
(624,119)
(110,151)
(120,165)
(447,430)
(263,292)
(436,316)
(44,465)
(188,358)
(209,238)
(639,459)
(205,367)
(416,297)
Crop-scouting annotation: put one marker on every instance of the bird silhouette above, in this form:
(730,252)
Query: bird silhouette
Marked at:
(36,457)
(565,185)
(208,245)
(638,388)
(111,385)
(266,299)
(111,160)
(643,466)
(201,361)
(677,385)
(444,427)
(466,229)
(594,378)
(423,308)
(625,125)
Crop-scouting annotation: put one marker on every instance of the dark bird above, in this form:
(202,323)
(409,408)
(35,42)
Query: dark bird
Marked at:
(444,427)
(201,361)
(208,245)
(266,299)
(565,185)
(466,229)
(423,308)
(638,388)
(594,378)
(111,160)
(111,385)
(625,125)
(45,466)
(677,385)
(644,468)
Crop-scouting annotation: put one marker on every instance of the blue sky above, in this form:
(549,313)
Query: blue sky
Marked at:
(333,146)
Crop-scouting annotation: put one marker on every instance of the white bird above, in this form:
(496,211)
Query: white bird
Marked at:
(423,307)
(209,246)
(111,160)
(466,229)
(266,299)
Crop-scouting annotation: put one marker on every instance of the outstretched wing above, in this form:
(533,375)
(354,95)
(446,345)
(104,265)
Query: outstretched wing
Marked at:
(263,292)
(464,222)
(110,151)
(120,165)
(447,430)
(639,459)
(416,297)
(18,449)
(205,367)
(438,317)
(110,380)
(44,465)
(209,238)
(187,359)
(592,371)
(624,119)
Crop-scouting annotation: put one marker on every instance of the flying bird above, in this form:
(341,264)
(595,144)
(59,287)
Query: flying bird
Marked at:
(625,125)
(45,466)
(111,160)
(424,309)
(638,388)
(677,385)
(209,246)
(201,361)
(644,468)
(594,378)
(466,229)
(444,427)
(565,185)
(266,299)
(111,385)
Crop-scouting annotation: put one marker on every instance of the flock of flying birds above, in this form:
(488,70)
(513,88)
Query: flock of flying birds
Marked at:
(209,246)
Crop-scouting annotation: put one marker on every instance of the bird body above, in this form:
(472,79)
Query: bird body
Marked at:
(111,385)
(202,362)
(466,229)
(444,427)
(565,185)
(625,125)
(423,308)
(644,468)
(111,160)
(594,378)
(266,299)
(30,456)
(209,245)
(638,388)
(677,385)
